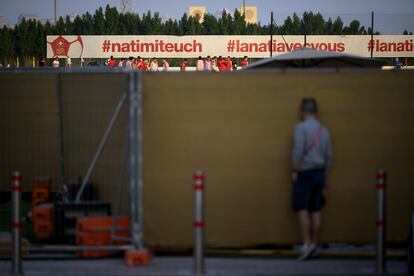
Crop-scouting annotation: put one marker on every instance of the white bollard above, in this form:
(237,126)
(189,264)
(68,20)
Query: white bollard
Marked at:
(16,225)
(198,222)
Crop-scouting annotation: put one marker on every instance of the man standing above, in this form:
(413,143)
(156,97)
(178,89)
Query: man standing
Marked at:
(311,159)
(42,62)
(56,63)
(207,64)
(183,65)
(139,63)
(214,64)
(154,65)
(165,65)
(245,62)
(129,63)
(234,64)
(122,62)
(200,64)
(229,64)
(111,62)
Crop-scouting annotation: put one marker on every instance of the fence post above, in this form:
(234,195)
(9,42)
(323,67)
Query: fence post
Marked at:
(198,222)
(16,224)
(381,222)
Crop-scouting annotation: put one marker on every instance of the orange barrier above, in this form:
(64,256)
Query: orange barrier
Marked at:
(97,231)
(134,258)
(102,223)
(41,190)
(42,217)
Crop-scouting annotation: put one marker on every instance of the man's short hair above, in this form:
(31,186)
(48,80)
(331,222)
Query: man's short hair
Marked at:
(309,105)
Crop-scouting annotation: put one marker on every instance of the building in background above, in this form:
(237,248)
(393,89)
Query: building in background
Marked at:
(165,18)
(44,20)
(197,10)
(4,21)
(251,14)
(27,17)
(219,13)
(126,6)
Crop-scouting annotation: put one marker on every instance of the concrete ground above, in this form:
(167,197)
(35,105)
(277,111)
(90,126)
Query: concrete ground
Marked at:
(214,266)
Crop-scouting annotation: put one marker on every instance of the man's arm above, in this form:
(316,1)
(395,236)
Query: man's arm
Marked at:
(328,151)
(298,148)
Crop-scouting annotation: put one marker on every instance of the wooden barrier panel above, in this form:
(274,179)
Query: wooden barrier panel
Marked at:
(28,127)
(238,129)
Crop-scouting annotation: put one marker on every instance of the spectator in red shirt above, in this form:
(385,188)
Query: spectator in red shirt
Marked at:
(221,64)
(145,65)
(111,62)
(229,64)
(138,63)
(184,65)
(245,62)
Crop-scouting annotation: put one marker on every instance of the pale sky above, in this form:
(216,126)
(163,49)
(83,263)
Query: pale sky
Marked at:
(392,16)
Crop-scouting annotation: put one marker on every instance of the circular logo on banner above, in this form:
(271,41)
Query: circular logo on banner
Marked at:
(61,47)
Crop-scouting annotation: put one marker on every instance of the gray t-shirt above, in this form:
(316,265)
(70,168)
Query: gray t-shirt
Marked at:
(305,157)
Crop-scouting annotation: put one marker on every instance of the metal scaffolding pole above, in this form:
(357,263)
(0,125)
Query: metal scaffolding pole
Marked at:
(55,11)
(135,161)
(61,136)
(101,146)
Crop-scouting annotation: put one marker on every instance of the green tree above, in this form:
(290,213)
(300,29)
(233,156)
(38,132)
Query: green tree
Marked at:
(77,26)
(111,20)
(210,26)
(60,26)
(99,22)
(337,27)
(183,25)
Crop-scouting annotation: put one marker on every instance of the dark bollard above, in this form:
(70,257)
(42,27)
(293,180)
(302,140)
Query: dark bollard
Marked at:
(16,225)
(381,222)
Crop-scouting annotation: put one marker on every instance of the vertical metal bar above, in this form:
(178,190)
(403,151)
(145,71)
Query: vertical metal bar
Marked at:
(55,11)
(271,34)
(61,134)
(372,34)
(198,187)
(101,146)
(135,157)
(304,32)
(381,222)
(140,188)
(16,224)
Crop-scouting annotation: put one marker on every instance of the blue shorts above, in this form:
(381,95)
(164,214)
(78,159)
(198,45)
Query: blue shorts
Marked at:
(308,191)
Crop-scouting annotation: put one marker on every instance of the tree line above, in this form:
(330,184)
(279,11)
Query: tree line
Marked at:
(28,39)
